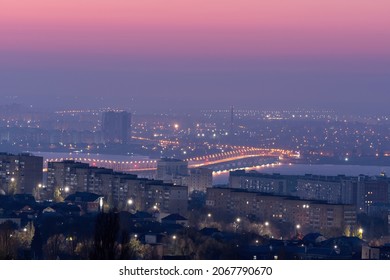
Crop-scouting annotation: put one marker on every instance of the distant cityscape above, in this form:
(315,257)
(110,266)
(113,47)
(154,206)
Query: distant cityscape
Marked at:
(115,184)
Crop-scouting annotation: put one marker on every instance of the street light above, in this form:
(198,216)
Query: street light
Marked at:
(297,229)
(130,202)
(360,231)
(266,224)
(236,224)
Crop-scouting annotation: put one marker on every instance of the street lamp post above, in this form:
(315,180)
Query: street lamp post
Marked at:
(297,227)
(130,203)
(236,224)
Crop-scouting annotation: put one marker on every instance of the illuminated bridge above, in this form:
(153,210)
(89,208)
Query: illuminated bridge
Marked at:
(235,154)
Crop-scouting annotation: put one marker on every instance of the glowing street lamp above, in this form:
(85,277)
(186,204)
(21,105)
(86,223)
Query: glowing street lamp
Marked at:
(360,231)
(297,227)
(236,224)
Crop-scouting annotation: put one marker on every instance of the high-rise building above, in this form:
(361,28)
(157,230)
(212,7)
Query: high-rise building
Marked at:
(169,170)
(116,127)
(66,177)
(120,190)
(367,193)
(372,192)
(200,179)
(310,214)
(20,173)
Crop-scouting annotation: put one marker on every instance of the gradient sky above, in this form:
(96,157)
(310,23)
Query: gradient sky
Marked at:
(195,54)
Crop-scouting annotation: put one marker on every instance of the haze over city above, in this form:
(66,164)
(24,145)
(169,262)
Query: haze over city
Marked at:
(194,130)
(186,55)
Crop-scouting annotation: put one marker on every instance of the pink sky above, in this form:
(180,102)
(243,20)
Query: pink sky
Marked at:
(197,27)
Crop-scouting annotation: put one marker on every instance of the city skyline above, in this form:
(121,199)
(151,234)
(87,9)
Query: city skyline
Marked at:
(182,55)
(195,130)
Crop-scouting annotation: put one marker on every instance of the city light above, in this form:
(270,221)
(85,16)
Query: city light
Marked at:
(190,131)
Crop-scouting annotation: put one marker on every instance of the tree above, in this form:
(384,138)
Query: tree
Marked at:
(8,242)
(37,245)
(84,248)
(25,236)
(135,250)
(57,195)
(106,234)
(55,245)
(347,231)
(212,249)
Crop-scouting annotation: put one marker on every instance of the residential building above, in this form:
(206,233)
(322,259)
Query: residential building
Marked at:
(121,190)
(21,173)
(172,170)
(308,214)
(116,127)
(200,179)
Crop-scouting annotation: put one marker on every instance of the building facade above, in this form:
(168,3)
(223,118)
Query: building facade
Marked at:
(172,170)
(365,192)
(116,127)
(307,214)
(120,190)
(200,179)
(21,173)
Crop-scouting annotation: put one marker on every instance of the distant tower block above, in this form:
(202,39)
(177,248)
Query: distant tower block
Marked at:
(116,127)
